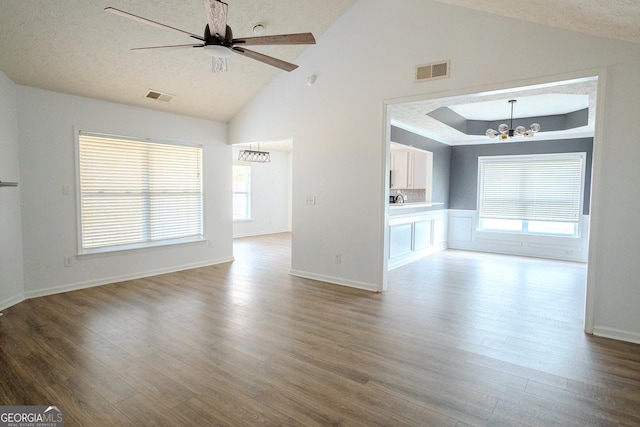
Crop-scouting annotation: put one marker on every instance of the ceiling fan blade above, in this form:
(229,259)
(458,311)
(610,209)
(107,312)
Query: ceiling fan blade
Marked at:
(175,46)
(278,63)
(149,22)
(216,12)
(218,65)
(300,38)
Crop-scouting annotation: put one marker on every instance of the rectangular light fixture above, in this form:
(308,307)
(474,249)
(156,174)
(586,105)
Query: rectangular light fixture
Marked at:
(254,156)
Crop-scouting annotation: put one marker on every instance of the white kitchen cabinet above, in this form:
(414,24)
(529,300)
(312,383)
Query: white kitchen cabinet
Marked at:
(400,169)
(418,177)
(411,169)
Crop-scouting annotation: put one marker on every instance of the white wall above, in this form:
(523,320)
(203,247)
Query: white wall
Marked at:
(46,122)
(11,272)
(270,197)
(369,56)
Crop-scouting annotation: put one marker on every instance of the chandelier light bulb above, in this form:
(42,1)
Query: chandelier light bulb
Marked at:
(491,133)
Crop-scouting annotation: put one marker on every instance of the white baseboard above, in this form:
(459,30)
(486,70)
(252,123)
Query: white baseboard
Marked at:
(115,279)
(11,301)
(260,233)
(335,280)
(616,334)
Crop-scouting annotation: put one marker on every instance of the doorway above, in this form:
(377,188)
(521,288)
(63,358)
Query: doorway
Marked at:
(413,115)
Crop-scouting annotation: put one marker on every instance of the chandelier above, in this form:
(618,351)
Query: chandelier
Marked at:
(252,155)
(504,132)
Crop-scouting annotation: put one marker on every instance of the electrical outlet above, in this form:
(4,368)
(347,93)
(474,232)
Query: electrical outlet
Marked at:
(65,190)
(67,261)
(338,258)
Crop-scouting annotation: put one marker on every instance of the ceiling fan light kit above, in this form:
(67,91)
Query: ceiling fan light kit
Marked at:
(218,41)
(505,131)
(217,51)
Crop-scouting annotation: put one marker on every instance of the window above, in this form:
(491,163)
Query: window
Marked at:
(535,194)
(137,193)
(241,192)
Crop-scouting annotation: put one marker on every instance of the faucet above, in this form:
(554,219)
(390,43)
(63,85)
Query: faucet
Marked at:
(400,198)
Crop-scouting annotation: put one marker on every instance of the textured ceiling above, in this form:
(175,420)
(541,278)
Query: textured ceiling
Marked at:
(617,19)
(73,46)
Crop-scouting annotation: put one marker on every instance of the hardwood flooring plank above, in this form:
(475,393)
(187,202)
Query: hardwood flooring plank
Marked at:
(142,410)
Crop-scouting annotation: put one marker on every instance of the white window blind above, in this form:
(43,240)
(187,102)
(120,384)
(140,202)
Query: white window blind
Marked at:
(137,193)
(545,187)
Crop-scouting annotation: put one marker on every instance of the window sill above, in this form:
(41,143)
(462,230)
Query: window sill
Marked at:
(119,250)
(525,234)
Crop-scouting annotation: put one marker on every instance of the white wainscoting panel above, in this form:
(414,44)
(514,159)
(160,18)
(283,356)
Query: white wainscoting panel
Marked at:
(463,234)
(414,236)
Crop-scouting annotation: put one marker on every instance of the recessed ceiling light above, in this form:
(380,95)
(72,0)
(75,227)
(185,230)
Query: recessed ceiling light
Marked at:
(258,29)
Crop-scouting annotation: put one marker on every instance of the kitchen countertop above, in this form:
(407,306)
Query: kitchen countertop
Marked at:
(412,205)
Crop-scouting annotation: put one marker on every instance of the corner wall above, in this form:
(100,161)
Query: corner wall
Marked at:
(11,269)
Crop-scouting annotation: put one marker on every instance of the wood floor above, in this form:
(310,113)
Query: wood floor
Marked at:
(460,339)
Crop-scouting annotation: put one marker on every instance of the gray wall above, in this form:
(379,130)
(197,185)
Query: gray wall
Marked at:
(463,180)
(441,161)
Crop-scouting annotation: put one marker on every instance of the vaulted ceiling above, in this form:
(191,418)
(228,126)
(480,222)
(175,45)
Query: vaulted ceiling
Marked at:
(74,47)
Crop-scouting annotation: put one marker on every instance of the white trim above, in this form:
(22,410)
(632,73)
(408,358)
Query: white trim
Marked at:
(160,244)
(261,233)
(371,287)
(596,202)
(16,299)
(383,251)
(616,334)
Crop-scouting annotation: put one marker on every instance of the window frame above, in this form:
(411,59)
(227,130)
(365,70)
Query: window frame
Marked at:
(110,249)
(248,193)
(525,222)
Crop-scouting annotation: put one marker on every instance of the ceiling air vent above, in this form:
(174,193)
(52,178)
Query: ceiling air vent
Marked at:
(436,70)
(160,96)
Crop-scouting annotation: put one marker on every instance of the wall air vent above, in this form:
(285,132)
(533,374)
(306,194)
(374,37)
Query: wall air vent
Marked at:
(436,70)
(160,96)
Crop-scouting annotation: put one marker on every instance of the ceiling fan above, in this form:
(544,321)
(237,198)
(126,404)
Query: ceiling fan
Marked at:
(218,41)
